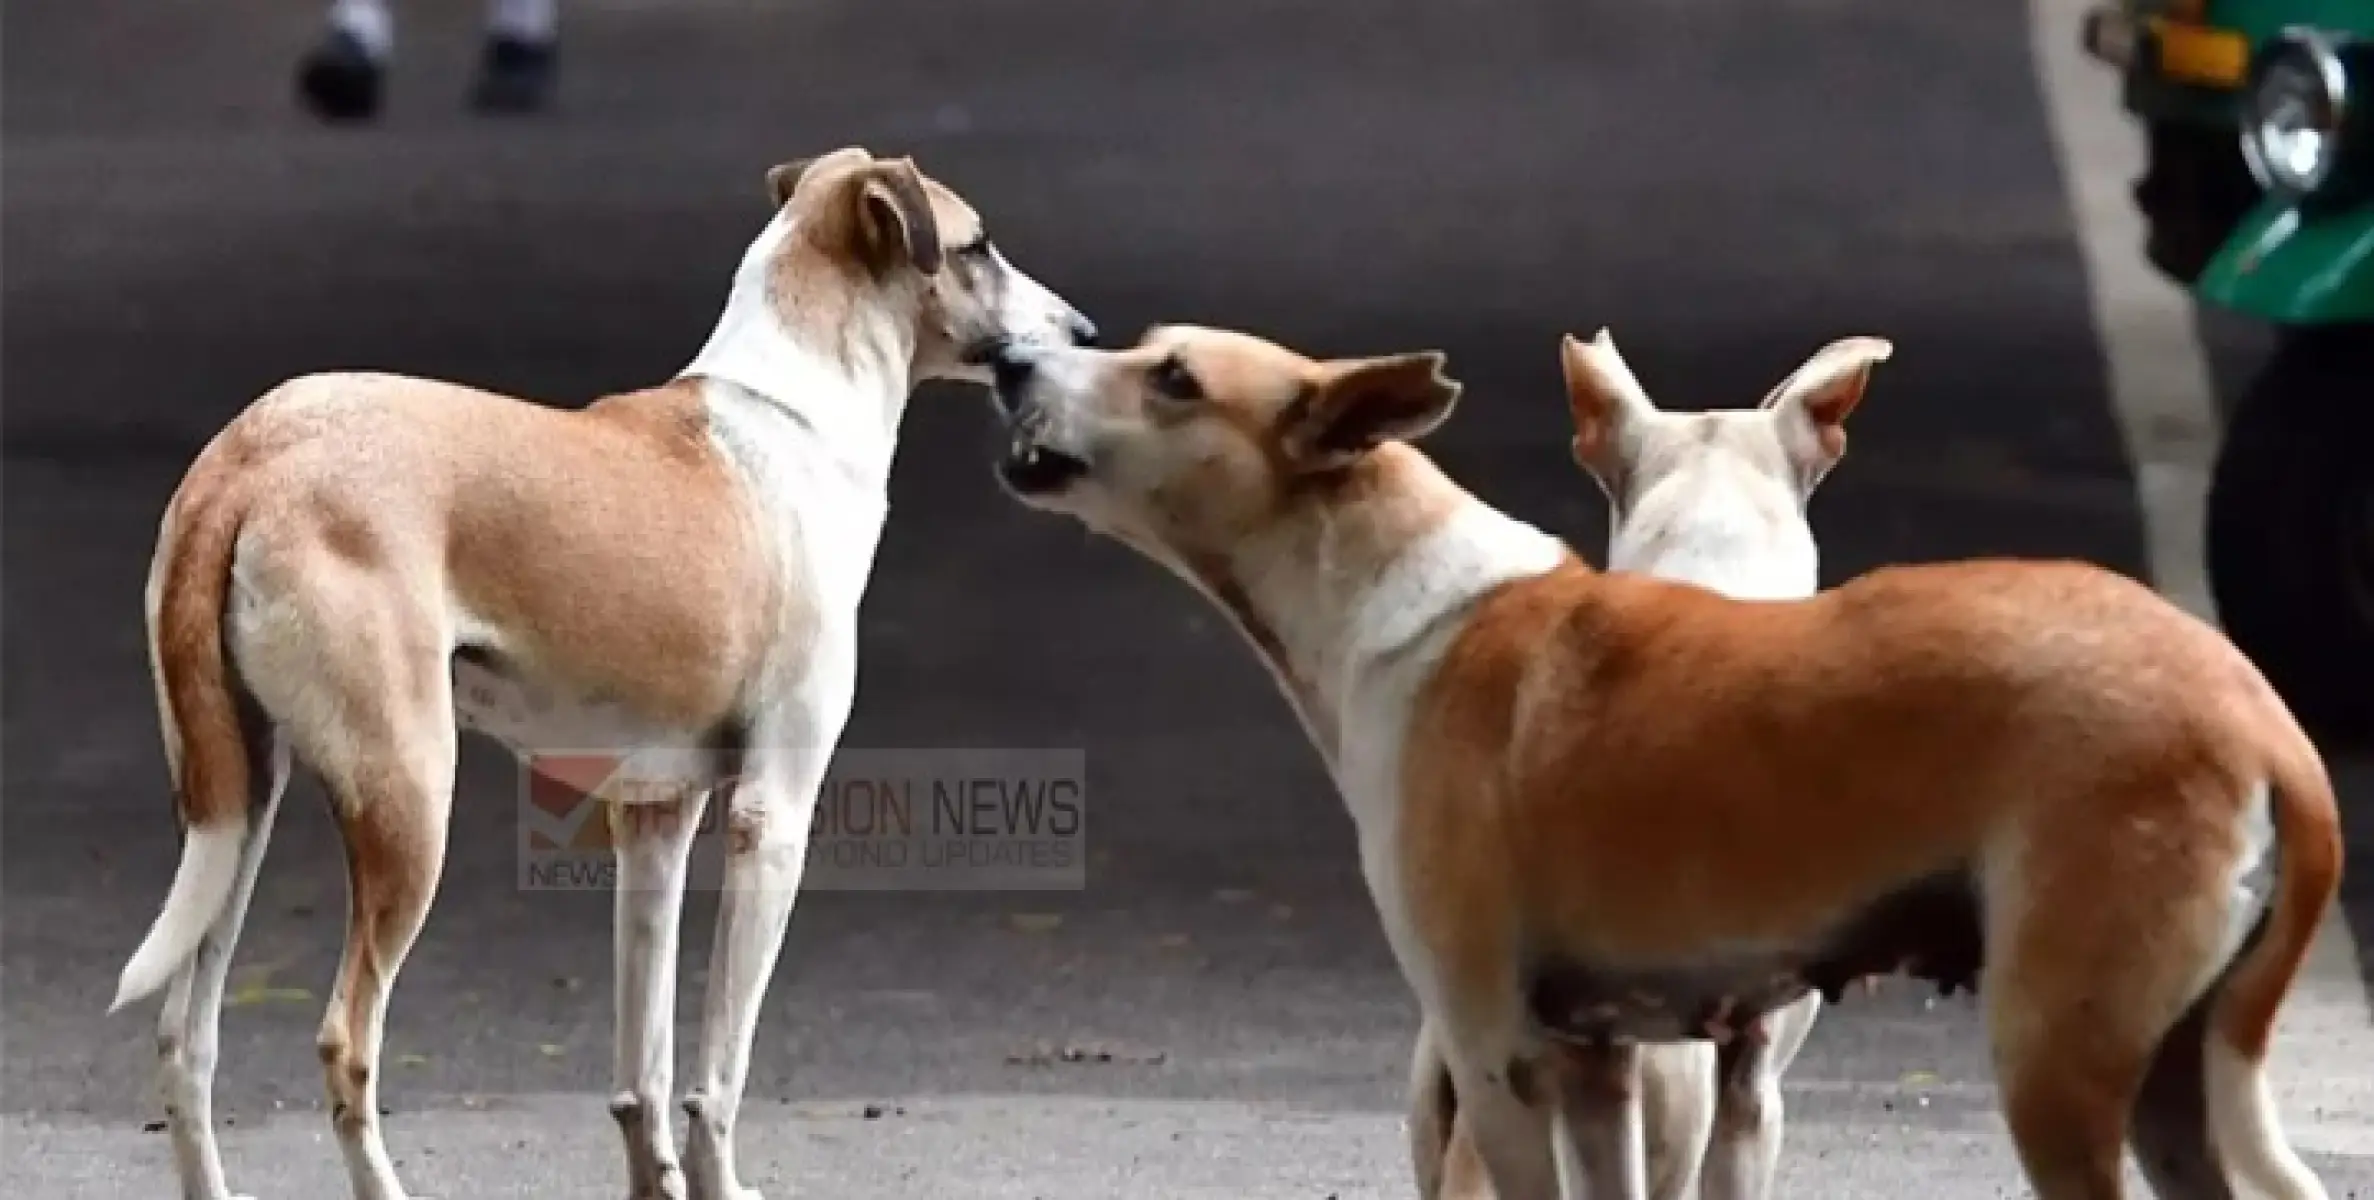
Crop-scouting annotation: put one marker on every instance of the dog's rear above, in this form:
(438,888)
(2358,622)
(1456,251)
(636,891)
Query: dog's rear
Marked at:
(1718,499)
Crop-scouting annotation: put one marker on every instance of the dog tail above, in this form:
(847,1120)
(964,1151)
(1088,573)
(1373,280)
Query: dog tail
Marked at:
(2308,839)
(188,587)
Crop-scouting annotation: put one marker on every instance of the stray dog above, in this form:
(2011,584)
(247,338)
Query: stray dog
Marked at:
(1717,499)
(358,560)
(1596,810)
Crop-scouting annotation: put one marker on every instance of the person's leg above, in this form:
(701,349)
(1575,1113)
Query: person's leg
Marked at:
(342,76)
(516,68)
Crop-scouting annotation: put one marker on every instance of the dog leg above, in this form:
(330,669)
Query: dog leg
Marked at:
(654,844)
(767,826)
(190,1029)
(1505,1114)
(2170,1135)
(1743,1154)
(1601,1146)
(2079,999)
(1433,1113)
(1677,1109)
(394,816)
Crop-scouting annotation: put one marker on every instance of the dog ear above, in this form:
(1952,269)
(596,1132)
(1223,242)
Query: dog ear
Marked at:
(896,214)
(784,179)
(1814,402)
(1361,403)
(874,210)
(1606,405)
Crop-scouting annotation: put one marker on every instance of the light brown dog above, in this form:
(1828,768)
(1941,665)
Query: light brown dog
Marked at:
(360,561)
(1717,499)
(1596,810)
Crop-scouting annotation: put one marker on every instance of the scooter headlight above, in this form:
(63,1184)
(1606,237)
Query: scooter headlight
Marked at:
(2302,121)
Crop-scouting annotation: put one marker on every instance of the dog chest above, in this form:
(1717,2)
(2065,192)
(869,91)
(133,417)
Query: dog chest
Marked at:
(1928,929)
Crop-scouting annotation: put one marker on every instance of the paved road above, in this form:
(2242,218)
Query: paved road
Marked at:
(1728,184)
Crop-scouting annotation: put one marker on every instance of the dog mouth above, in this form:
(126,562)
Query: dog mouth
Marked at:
(983,351)
(1033,469)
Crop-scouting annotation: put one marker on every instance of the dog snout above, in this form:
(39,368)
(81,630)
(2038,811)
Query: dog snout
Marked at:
(1011,365)
(1081,329)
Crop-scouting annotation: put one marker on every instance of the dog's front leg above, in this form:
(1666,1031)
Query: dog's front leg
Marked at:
(1743,1155)
(768,811)
(1602,1150)
(654,842)
(1505,1109)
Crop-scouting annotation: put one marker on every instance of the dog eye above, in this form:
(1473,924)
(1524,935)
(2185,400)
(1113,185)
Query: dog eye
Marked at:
(977,249)
(1172,378)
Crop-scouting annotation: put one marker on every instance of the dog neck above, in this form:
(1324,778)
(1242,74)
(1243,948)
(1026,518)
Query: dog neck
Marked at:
(1362,576)
(1718,535)
(795,335)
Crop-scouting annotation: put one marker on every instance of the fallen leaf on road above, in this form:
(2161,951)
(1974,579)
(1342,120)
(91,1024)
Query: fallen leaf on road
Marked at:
(1034,922)
(1085,1053)
(257,993)
(548,1050)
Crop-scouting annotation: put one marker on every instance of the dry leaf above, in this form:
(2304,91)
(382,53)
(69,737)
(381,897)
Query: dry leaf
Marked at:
(1034,922)
(257,993)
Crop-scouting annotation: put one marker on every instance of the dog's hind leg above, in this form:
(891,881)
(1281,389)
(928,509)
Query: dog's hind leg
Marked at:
(2170,1133)
(654,843)
(394,819)
(190,1028)
(381,735)
(2079,998)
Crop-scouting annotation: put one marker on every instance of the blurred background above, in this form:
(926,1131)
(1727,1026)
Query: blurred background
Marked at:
(1726,184)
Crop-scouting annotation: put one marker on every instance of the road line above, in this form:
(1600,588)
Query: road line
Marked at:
(2160,384)
(2161,394)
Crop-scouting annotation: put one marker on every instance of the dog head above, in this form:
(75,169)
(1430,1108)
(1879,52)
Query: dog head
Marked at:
(1192,439)
(919,249)
(1717,497)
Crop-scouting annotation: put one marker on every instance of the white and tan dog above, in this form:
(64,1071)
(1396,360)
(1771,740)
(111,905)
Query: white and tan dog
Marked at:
(1718,499)
(359,560)
(1596,810)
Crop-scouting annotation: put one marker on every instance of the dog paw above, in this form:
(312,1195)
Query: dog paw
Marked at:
(670,1187)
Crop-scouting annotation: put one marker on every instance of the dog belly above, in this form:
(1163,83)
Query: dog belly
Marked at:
(535,719)
(1928,929)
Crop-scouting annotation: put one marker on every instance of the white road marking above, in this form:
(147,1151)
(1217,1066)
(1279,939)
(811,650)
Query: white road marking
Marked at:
(2161,395)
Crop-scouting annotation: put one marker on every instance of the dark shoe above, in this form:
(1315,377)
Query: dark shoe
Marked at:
(514,76)
(339,81)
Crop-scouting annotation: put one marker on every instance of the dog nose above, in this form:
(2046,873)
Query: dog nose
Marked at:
(1010,367)
(1083,330)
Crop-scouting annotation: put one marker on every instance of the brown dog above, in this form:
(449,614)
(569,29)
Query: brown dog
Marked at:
(1601,809)
(360,562)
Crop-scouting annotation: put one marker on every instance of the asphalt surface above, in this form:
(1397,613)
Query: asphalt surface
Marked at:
(1727,184)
